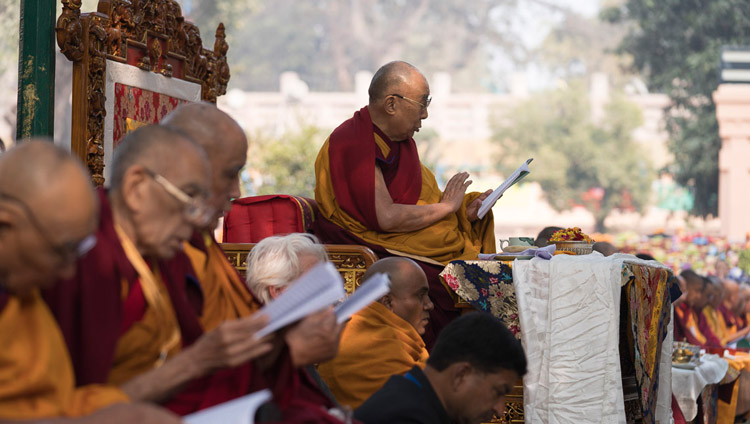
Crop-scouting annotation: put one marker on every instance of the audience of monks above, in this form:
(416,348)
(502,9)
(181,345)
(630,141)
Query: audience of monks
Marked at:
(713,313)
(383,339)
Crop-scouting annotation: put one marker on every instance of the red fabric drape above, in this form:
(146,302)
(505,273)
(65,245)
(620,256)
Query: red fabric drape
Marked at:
(353,153)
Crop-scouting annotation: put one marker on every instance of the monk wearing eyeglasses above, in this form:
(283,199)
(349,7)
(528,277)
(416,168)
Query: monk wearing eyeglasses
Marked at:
(125,314)
(48,215)
(372,189)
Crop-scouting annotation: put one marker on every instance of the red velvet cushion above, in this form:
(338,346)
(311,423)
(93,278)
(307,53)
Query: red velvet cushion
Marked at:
(252,219)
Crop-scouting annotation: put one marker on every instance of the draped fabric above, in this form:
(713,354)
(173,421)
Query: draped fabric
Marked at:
(225,295)
(375,345)
(90,307)
(569,311)
(36,376)
(647,291)
(345,196)
(155,335)
(353,149)
(488,287)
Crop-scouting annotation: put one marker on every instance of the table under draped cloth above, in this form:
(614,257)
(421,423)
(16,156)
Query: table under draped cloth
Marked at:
(569,322)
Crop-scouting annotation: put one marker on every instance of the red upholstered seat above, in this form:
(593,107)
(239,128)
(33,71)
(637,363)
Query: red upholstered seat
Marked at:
(252,219)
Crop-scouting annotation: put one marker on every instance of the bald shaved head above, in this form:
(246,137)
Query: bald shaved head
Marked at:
(390,77)
(408,297)
(155,147)
(225,144)
(47,207)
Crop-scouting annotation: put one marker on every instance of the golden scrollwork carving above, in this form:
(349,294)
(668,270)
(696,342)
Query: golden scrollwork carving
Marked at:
(150,34)
(350,261)
(69,30)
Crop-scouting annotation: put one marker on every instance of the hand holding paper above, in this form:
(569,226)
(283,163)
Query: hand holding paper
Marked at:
(515,177)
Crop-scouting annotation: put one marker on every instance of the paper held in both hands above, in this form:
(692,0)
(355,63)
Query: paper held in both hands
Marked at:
(318,288)
(515,177)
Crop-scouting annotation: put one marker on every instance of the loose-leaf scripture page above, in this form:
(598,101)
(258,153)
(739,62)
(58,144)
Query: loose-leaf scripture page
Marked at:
(316,289)
(515,177)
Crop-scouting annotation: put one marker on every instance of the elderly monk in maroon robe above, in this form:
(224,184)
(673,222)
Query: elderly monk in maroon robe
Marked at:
(48,213)
(371,188)
(125,316)
(220,294)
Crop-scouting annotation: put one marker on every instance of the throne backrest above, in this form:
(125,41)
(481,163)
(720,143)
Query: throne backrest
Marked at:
(133,62)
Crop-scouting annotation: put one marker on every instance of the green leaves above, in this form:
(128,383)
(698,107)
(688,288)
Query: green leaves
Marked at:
(579,161)
(676,44)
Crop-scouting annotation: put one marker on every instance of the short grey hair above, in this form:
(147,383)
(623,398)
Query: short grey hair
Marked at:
(275,261)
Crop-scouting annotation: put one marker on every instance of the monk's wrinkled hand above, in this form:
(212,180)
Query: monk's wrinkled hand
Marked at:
(472,211)
(231,344)
(314,339)
(128,413)
(453,195)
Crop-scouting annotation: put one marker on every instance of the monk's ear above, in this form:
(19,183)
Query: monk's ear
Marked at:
(389,105)
(387,301)
(134,188)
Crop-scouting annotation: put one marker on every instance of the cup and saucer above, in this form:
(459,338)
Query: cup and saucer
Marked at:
(512,246)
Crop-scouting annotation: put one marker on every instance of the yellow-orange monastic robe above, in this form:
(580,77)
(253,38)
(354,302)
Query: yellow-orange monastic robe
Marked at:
(225,295)
(36,375)
(156,336)
(715,321)
(452,238)
(375,344)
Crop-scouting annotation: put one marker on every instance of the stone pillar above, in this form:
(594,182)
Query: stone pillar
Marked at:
(733,113)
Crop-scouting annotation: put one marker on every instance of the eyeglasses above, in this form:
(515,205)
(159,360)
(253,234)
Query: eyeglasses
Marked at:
(66,251)
(424,105)
(194,209)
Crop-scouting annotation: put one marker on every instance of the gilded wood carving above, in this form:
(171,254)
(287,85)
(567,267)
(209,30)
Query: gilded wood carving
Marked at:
(351,261)
(150,34)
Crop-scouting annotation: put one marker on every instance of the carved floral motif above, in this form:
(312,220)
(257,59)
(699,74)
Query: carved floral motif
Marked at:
(157,33)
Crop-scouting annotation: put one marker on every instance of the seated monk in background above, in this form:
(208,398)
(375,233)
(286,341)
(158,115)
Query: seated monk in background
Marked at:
(687,315)
(371,188)
(710,314)
(124,314)
(383,339)
(48,213)
(732,311)
(272,265)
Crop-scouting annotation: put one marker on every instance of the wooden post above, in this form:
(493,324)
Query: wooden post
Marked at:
(36,70)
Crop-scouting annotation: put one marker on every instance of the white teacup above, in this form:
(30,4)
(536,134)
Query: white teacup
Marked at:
(517,241)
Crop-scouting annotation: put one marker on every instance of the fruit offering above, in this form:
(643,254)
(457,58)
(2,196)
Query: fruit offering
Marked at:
(570,234)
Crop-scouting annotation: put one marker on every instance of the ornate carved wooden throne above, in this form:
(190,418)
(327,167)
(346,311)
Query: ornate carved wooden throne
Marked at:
(133,62)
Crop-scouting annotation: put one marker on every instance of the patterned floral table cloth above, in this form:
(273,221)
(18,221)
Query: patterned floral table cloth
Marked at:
(488,286)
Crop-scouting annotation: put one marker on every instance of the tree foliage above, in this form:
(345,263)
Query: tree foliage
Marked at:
(676,44)
(326,42)
(283,165)
(578,161)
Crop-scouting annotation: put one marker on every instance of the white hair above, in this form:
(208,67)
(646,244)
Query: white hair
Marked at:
(275,261)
